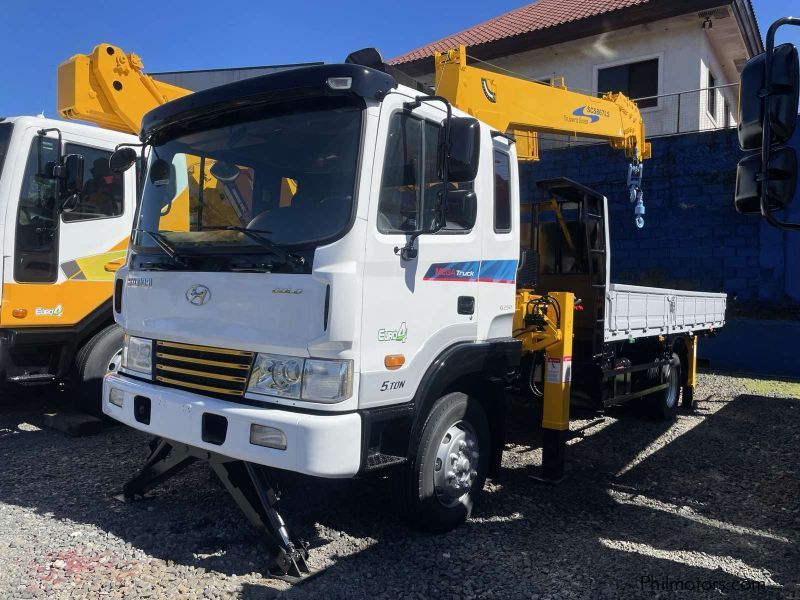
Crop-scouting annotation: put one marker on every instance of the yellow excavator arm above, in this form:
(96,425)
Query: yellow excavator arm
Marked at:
(522,107)
(110,89)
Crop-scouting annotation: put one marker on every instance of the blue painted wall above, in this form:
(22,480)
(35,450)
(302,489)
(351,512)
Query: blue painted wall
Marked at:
(693,237)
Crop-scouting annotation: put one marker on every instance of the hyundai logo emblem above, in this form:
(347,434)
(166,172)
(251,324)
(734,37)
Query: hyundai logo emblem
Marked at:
(198,295)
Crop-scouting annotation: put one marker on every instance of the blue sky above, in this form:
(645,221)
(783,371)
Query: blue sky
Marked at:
(202,34)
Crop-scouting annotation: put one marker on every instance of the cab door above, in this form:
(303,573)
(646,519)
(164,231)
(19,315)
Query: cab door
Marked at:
(64,260)
(413,308)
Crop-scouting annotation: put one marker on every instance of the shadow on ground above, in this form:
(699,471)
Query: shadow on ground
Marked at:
(712,498)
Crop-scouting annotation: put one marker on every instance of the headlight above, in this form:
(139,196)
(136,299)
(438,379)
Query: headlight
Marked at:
(327,381)
(314,380)
(277,375)
(137,355)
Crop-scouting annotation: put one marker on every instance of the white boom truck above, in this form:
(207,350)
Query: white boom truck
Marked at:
(361,306)
(65,218)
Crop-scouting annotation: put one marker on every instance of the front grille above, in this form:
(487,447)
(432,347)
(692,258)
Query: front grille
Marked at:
(217,371)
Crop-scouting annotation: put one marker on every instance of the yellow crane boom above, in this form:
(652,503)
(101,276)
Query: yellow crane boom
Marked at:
(109,88)
(522,107)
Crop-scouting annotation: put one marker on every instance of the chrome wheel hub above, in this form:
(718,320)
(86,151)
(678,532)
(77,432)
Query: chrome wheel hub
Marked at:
(456,464)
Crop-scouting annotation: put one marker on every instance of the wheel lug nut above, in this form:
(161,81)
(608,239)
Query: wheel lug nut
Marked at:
(462,445)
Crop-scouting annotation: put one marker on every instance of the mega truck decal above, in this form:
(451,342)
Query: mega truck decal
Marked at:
(487,271)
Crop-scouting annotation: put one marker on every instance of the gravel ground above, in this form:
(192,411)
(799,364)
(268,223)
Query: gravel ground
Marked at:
(710,501)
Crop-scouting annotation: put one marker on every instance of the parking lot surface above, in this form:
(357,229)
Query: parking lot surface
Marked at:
(706,506)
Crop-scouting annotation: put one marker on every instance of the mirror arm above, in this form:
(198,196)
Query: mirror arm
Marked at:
(44,132)
(56,172)
(766,210)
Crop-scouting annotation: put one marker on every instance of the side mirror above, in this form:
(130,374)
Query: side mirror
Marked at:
(225,172)
(461,209)
(71,174)
(159,173)
(783,85)
(464,152)
(781,185)
(122,159)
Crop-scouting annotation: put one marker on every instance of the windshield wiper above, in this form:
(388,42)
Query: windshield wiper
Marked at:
(161,242)
(257,236)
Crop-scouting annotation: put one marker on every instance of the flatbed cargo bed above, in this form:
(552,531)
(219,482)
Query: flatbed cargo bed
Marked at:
(636,312)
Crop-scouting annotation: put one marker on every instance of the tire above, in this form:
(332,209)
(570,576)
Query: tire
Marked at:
(92,362)
(664,403)
(455,427)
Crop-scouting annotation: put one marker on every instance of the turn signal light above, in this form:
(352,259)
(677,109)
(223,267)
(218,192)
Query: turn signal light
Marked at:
(394,361)
(19,313)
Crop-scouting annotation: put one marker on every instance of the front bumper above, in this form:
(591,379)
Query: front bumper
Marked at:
(320,445)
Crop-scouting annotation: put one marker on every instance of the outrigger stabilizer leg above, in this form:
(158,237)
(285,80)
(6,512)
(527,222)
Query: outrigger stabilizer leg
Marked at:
(251,489)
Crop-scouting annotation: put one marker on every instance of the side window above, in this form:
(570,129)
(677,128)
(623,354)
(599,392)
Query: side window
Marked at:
(103,194)
(502,192)
(398,206)
(411,186)
(36,252)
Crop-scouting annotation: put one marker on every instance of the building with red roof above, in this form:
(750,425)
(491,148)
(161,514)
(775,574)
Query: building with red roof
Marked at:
(648,49)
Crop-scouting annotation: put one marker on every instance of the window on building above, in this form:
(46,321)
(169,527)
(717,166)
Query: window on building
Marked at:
(712,95)
(103,193)
(411,187)
(502,192)
(636,80)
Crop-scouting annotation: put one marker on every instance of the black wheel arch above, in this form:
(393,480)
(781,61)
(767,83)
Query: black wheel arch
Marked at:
(478,369)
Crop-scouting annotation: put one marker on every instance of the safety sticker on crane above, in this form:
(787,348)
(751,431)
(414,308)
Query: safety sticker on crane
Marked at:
(559,371)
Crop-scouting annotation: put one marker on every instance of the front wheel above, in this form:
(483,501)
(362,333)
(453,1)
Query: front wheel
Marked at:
(438,489)
(99,356)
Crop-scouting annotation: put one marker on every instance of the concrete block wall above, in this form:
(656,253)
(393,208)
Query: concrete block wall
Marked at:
(693,237)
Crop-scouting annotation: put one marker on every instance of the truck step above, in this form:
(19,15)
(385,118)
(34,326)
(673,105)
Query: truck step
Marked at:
(33,378)
(380,461)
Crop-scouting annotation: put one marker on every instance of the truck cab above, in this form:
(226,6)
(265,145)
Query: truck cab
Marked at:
(312,324)
(65,219)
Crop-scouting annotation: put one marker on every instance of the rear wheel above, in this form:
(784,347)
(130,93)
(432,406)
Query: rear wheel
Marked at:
(664,403)
(100,355)
(438,489)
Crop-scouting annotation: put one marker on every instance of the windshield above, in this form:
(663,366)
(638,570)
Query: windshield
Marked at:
(281,181)
(5,138)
